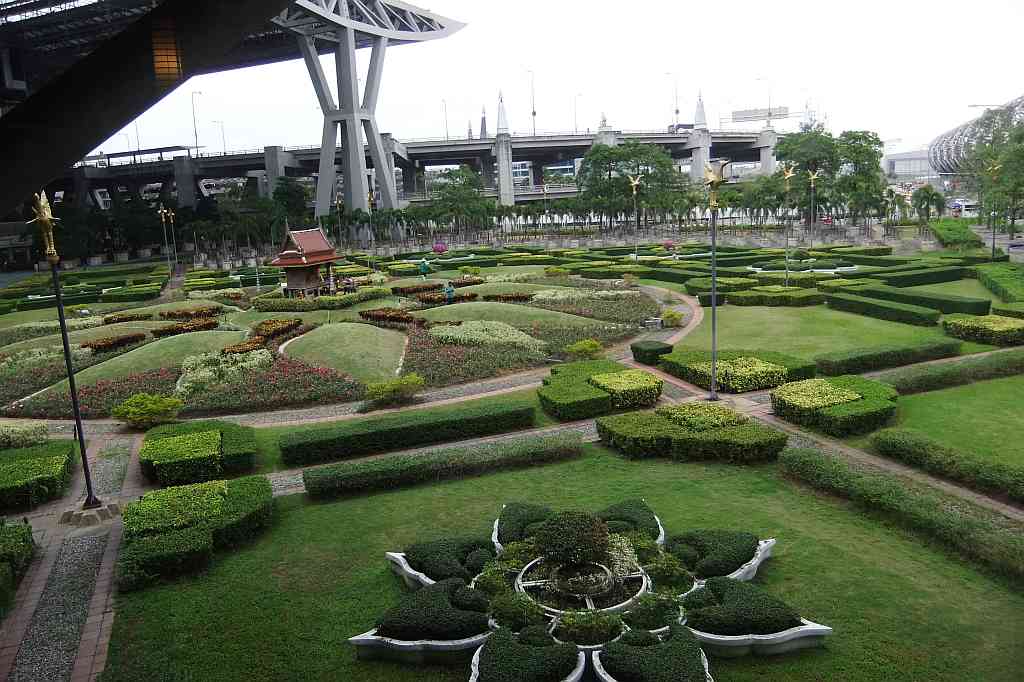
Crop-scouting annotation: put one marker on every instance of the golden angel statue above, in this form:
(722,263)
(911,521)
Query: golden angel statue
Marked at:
(634,182)
(44,216)
(813,175)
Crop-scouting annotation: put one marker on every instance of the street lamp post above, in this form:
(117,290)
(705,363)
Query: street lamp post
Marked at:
(195,121)
(164,213)
(813,175)
(44,216)
(788,172)
(575,113)
(993,173)
(223,137)
(634,183)
(533,100)
(713,179)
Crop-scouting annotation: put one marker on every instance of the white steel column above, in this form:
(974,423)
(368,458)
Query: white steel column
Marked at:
(353,160)
(378,152)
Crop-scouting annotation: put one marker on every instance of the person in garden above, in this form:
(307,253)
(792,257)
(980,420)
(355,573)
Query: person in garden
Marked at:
(424,268)
(449,293)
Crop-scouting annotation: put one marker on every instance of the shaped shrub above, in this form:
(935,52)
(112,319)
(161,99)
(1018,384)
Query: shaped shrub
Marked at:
(270,329)
(343,301)
(701,416)
(631,516)
(485,333)
(961,371)
(17,548)
(516,611)
(1005,280)
(532,657)
(442,299)
(776,295)
(430,613)
(700,285)
(1009,310)
(446,558)
(884,310)
(144,410)
(22,435)
(838,406)
(992,329)
(738,371)
(710,553)
(730,607)
(572,538)
(639,659)
(200,324)
(649,352)
(569,396)
(862,360)
(111,343)
(184,459)
(588,627)
(631,388)
(520,520)
(946,303)
(237,445)
(32,475)
(191,313)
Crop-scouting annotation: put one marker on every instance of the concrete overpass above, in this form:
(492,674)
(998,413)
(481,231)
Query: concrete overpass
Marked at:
(491,156)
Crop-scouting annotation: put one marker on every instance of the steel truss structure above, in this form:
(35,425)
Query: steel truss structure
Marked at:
(948,152)
(350,25)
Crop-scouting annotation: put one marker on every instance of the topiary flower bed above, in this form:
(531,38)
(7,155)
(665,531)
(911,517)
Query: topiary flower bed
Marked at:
(739,371)
(589,388)
(838,406)
(531,656)
(992,329)
(643,657)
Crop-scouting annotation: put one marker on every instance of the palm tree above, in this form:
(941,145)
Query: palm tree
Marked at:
(925,199)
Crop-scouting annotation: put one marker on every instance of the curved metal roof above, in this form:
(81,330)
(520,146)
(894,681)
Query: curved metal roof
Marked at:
(948,151)
(398,21)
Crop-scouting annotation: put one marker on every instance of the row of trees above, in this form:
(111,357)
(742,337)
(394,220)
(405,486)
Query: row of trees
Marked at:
(996,167)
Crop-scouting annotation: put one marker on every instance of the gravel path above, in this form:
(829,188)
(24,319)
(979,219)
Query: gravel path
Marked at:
(49,647)
(109,469)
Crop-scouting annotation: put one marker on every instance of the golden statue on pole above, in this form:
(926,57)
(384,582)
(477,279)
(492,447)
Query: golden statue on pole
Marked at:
(788,173)
(44,216)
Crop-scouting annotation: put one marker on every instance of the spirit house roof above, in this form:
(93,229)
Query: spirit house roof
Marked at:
(304,248)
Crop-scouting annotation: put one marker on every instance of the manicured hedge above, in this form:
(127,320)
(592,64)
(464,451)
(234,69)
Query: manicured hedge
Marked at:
(450,557)
(437,612)
(955,232)
(32,475)
(532,656)
(934,515)
(652,434)
(1005,280)
(774,295)
(1009,310)
(710,553)
(569,396)
(677,659)
(838,285)
(946,303)
(693,366)
(912,278)
(992,329)
(17,547)
(884,310)
(677,275)
(918,450)
(730,607)
(839,406)
(110,343)
(357,437)
(386,473)
(723,286)
(955,373)
(631,388)
(237,452)
(174,531)
(649,352)
(862,360)
(804,280)
(199,325)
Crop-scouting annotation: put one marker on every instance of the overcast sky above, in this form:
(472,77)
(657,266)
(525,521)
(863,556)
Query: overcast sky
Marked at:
(907,69)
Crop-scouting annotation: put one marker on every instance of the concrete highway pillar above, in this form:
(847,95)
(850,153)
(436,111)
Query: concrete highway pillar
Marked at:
(82,188)
(185,181)
(766,142)
(409,172)
(503,153)
(537,173)
(487,164)
(700,154)
(276,161)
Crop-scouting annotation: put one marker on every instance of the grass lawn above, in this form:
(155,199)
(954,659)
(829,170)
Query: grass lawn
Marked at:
(806,332)
(981,420)
(83,335)
(284,607)
(509,313)
(47,314)
(366,352)
(268,456)
(169,352)
(964,287)
(507,288)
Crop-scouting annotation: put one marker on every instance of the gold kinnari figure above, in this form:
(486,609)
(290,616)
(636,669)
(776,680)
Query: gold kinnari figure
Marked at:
(44,216)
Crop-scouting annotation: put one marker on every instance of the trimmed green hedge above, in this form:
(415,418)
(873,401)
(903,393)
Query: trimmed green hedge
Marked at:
(730,607)
(884,310)
(839,406)
(862,360)
(912,278)
(17,547)
(955,232)
(402,470)
(568,394)
(357,437)
(774,295)
(438,612)
(724,285)
(677,659)
(804,280)
(692,366)
(934,515)
(651,434)
(174,531)
(237,453)
(188,458)
(710,553)
(918,450)
(946,303)
(649,352)
(992,329)
(30,476)
(1005,280)
(1009,310)
(956,373)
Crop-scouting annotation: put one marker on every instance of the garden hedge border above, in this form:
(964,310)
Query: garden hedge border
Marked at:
(399,431)
(568,395)
(237,447)
(677,364)
(945,303)
(35,474)
(986,329)
(967,370)
(860,360)
(912,278)
(884,310)
(650,352)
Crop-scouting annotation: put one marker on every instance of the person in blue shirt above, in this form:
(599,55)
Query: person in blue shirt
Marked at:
(449,293)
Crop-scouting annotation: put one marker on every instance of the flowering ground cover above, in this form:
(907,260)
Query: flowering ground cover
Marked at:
(366,352)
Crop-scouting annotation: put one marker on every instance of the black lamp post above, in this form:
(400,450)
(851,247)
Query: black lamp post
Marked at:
(44,216)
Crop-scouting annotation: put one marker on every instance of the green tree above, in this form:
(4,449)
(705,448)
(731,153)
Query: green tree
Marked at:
(924,200)
(811,149)
(290,200)
(860,181)
(603,178)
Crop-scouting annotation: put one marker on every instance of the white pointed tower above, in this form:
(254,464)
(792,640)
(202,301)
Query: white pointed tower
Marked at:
(503,156)
(700,119)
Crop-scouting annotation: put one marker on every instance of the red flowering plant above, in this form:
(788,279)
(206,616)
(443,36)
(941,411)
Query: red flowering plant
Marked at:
(442,299)
(191,313)
(442,364)
(97,400)
(201,324)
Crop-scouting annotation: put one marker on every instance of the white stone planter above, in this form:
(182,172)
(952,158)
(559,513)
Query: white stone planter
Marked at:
(96,260)
(805,636)
(145,253)
(370,646)
(748,570)
(586,648)
(575,676)
(602,675)
(121,257)
(412,578)
(645,587)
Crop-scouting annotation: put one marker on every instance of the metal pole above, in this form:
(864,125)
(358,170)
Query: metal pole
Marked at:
(992,221)
(533,100)
(444,107)
(167,247)
(714,300)
(174,241)
(91,501)
(195,123)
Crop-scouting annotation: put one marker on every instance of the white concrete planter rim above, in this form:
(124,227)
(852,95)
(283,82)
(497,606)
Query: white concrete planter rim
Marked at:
(499,548)
(401,567)
(373,640)
(575,676)
(645,587)
(588,648)
(748,570)
(603,676)
(805,629)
